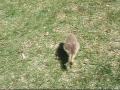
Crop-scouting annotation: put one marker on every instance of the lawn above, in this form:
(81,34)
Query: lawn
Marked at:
(31,31)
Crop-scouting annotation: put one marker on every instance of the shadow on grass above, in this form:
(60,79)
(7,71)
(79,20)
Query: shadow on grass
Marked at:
(62,56)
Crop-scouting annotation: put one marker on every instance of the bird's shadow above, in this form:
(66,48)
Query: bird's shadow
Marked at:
(62,56)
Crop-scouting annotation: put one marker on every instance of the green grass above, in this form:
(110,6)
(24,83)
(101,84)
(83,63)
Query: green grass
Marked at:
(30,31)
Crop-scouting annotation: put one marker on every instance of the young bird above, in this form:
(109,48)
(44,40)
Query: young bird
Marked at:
(71,46)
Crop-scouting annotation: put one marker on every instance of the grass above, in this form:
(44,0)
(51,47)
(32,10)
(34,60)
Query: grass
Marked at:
(30,31)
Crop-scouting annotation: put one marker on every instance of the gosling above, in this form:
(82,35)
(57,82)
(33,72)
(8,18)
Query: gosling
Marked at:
(71,46)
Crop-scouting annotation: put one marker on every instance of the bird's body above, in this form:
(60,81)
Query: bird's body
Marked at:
(71,46)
